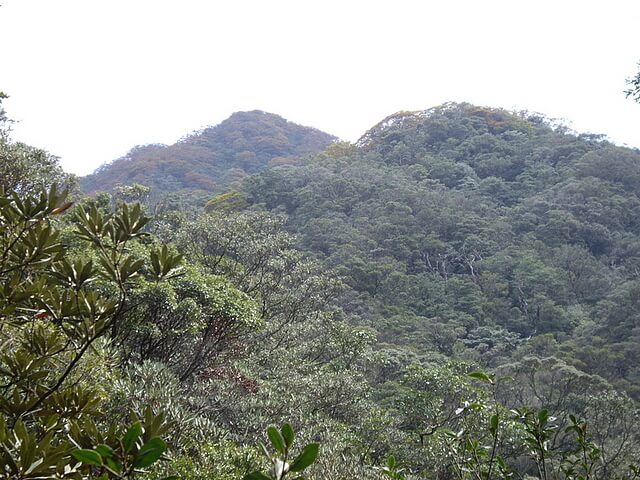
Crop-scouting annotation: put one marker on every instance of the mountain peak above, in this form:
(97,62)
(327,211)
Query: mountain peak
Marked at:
(211,159)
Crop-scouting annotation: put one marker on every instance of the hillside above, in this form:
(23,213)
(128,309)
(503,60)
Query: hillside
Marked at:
(209,160)
(453,297)
(477,234)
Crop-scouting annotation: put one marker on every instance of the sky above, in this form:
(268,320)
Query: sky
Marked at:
(90,79)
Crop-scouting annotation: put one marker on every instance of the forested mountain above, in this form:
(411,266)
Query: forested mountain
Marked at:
(211,159)
(478,234)
(454,297)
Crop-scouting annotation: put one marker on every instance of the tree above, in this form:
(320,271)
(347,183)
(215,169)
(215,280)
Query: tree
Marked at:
(4,121)
(634,86)
(55,307)
(187,323)
(27,169)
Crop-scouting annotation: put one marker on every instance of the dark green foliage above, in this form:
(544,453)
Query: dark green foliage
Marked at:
(460,237)
(4,121)
(488,236)
(187,323)
(123,454)
(55,308)
(458,221)
(634,87)
(283,462)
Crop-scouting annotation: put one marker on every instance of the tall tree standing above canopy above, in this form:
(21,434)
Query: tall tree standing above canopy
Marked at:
(634,86)
(27,169)
(4,121)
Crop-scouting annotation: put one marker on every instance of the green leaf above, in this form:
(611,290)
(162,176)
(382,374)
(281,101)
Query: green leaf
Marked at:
(155,264)
(482,377)
(493,422)
(543,416)
(88,457)
(150,452)
(104,450)
(276,440)
(306,458)
(130,438)
(288,434)
(114,464)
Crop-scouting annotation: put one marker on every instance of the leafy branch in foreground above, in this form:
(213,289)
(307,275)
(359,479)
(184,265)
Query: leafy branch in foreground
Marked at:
(282,442)
(130,453)
(55,303)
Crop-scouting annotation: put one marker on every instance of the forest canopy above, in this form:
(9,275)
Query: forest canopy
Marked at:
(455,296)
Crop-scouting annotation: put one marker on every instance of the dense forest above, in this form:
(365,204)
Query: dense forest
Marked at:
(455,296)
(478,234)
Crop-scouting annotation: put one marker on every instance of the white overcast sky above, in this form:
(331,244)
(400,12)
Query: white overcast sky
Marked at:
(90,79)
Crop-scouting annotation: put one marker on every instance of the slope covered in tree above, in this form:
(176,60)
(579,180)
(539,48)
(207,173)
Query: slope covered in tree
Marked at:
(209,160)
(478,234)
(464,238)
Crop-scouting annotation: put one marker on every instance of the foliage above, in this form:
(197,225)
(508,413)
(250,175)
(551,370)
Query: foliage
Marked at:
(186,323)
(634,87)
(122,456)
(472,232)
(283,462)
(54,307)
(27,169)
(303,365)
(223,460)
(227,202)
(357,294)
(212,159)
